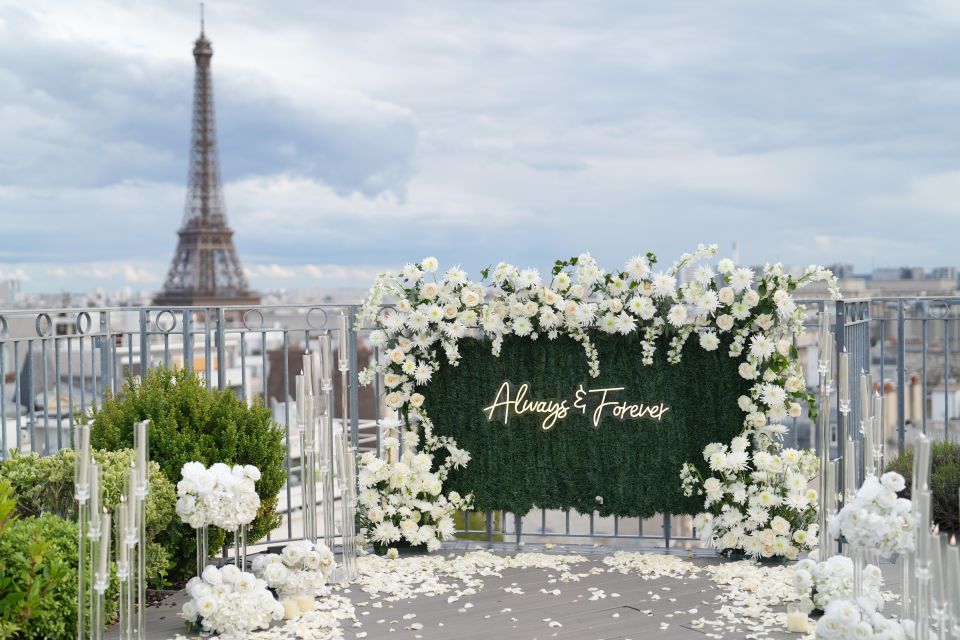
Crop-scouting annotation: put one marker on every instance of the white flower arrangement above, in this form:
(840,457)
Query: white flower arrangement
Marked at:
(401,499)
(221,496)
(845,619)
(753,316)
(759,500)
(876,519)
(230,602)
(820,583)
(301,568)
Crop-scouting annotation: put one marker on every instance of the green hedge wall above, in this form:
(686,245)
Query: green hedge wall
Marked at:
(633,465)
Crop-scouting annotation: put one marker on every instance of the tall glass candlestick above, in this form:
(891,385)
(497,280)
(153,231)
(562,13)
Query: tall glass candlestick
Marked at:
(81,490)
(326,442)
(344,342)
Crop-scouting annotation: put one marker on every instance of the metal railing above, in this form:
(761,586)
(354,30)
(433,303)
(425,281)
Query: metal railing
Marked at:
(56,363)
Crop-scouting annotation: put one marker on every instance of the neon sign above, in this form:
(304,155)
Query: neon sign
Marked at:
(599,403)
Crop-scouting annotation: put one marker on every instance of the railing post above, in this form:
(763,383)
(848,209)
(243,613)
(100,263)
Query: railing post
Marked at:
(187,340)
(144,343)
(901,378)
(221,351)
(354,379)
(106,354)
(840,339)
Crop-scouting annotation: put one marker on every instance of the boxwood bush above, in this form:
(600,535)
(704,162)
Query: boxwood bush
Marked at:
(944,482)
(44,485)
(189,422)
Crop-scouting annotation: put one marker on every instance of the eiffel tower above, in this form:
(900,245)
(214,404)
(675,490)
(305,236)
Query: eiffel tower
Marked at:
(205,269)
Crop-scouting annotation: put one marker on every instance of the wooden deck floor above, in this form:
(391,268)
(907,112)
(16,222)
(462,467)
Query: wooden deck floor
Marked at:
(532,604)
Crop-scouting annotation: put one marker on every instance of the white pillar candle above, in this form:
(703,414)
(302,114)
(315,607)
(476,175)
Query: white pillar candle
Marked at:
(953,575)
(797,621)
(142,454)
(132,514)
(823,341)
(844,369)
(298,390)
(327,359)
(832,468)
(94,495)
(83,474)
(104,545)
(922,501)
(849,470)
(865,398)
(922,451)
(315,370)
(831,360)
(308,373)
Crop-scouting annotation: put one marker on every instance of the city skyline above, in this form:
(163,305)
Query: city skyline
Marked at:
(353,141)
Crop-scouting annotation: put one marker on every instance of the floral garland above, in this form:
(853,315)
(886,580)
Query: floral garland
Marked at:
(754,313)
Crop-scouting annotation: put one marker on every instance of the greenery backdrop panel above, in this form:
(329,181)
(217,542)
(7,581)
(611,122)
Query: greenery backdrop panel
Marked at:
(632,465)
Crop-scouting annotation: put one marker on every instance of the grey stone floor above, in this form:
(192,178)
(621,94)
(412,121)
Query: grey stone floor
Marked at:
(640,610)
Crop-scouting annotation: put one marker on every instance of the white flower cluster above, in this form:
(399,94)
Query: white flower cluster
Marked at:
(876,519)
(230,602)
(844,619)
(301,568)
(758,500)
(404,500)
(221,496)
(719,306)
(820,583)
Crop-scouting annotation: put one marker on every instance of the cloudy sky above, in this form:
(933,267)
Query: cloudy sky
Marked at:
(361,135)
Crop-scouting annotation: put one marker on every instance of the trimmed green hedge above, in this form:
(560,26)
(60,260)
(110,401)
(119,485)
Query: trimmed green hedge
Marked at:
(944,482)
(632,465)
(44,485)
(187,423)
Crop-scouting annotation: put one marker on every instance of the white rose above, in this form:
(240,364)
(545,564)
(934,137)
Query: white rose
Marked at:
(751,298)
(726,295)
(783,347)
(794,410)
(747,371)
(417,400)
(469,298)
(725,322)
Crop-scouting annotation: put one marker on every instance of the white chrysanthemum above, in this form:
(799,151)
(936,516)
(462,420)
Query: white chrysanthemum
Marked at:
(529,278)
(709,341)
(677,315)
(664,285)
(741,279)
(637,267)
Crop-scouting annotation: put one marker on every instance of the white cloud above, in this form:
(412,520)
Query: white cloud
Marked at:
(351,136)
(270,271)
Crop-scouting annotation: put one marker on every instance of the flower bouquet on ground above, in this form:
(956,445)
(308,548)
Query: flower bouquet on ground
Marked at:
(845,619)
(401,500)
(229,602)
(820,583)
(876,520)
(758,501)
(298,574)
